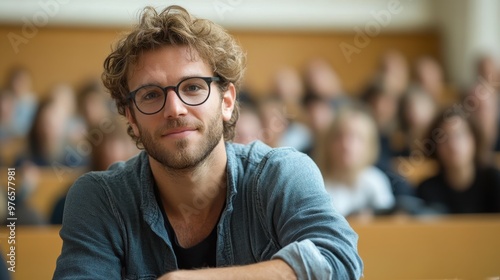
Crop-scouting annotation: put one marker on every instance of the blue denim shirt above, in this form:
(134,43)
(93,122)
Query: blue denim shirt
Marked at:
(276,208)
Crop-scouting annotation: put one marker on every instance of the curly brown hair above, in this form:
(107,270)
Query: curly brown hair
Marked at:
(174,26)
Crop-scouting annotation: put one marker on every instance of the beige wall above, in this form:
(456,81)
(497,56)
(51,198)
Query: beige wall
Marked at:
(470,30)
(58,54)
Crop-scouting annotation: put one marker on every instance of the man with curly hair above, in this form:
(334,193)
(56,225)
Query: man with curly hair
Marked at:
(193,205)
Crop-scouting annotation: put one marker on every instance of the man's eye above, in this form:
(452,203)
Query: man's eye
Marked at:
(192,88)
(150,95)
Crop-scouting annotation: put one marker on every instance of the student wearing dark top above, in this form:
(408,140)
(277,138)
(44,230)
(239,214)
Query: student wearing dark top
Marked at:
(464,184)
(384,107)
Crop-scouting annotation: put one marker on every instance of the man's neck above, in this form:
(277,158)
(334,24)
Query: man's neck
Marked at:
(196,193)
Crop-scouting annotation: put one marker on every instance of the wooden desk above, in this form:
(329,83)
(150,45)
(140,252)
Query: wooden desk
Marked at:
(37,249)
(462,247)
(51,186)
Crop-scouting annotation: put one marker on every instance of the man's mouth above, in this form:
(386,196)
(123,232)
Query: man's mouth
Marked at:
(179,132)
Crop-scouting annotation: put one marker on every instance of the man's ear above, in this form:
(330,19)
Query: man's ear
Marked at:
(228,101)
(131,120)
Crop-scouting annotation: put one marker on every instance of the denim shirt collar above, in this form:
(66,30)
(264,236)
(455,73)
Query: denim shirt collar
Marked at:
(149,206)
(231,180)
(224,245)
(152,213)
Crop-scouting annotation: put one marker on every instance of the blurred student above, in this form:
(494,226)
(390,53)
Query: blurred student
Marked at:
(383,94)
(354,183)
(323,96)
(56,131)
(249,127)
(45,147)
(65,107)
(282,115)
(19,84)
(323,81)
(394,72)
(430,77)
(282,129)
(46,138)
(384,107)
(93,103)
(488,71)
(320,115)
(463,184)
(114,146)
(289,88)
(417,110)
(483,104)
(7,127)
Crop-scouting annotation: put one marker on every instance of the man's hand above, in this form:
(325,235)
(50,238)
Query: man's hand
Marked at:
(274,269)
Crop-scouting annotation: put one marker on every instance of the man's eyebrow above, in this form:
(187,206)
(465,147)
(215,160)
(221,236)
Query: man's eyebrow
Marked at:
(176,83)
(189,76)
(145,85)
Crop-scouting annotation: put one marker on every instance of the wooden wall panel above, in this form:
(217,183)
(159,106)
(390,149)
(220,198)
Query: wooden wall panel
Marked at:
(267,52)
(58,54)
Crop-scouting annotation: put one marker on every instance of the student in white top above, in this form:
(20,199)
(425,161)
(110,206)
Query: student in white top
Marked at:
(351,148)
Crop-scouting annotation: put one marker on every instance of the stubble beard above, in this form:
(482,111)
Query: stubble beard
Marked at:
(186,155)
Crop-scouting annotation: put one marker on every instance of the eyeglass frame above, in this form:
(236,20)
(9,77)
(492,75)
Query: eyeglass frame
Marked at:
(208,80)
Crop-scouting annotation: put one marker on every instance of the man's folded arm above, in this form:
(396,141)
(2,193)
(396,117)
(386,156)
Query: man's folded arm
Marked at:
(91,239)
(317,242)
(273,269)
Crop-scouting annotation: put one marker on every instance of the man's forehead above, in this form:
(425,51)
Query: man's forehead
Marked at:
(150,61)
(144,58)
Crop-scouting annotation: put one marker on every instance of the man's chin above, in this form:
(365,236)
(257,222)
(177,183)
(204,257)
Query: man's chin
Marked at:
(180,160)
(173,144)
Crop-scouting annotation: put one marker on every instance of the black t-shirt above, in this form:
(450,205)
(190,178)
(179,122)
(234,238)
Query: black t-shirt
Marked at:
(483,196)
(200,255)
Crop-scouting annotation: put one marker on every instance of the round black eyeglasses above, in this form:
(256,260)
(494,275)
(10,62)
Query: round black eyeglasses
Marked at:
(193,91)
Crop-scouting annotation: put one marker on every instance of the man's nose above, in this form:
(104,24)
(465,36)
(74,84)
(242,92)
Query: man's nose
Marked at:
(174,107)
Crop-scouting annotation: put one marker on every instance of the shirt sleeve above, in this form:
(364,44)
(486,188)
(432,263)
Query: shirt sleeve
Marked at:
(315,240)
(90,234)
